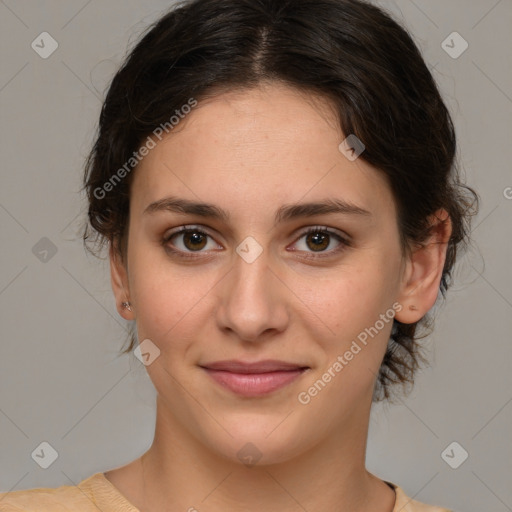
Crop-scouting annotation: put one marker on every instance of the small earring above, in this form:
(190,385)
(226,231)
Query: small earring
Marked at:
(412,307)
(126,305)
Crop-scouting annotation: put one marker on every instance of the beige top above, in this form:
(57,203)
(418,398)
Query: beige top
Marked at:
(98,493)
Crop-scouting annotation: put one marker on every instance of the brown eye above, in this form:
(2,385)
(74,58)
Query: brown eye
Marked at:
(317,241)
(194,240)
(321,240)
(188,240)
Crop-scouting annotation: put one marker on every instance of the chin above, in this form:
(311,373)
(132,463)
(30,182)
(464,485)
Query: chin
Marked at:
(256,444)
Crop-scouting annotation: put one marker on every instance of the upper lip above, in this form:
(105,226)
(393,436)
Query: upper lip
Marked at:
(268,365)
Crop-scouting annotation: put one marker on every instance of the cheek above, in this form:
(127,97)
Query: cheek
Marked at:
(164,296)
(358,307)
(166,307)
(174,306)
(349,360)
(354,298)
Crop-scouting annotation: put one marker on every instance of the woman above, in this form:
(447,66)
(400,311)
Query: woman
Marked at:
(276,184)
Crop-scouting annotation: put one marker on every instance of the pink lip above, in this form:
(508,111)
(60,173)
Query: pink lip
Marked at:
(253,379)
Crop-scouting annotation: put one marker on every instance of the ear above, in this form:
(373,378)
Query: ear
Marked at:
(424,269)
(119,281)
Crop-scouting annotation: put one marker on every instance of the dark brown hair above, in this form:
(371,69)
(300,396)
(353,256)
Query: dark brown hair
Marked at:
(348,51)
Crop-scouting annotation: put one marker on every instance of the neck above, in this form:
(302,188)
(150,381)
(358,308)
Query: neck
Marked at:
(179,473)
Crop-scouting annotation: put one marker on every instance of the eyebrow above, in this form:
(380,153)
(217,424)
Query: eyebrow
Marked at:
(284,213)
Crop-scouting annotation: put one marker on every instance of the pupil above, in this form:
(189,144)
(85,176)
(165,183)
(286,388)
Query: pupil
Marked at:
(319,240)
(195,239)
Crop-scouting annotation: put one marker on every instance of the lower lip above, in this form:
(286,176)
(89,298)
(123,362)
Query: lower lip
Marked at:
(254,384)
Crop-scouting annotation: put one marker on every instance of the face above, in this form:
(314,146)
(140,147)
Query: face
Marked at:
(251,284)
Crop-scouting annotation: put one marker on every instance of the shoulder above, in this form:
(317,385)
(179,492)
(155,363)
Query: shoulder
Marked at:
(66,498)
(405,504)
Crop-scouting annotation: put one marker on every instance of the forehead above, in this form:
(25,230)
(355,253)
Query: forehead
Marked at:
(246,149)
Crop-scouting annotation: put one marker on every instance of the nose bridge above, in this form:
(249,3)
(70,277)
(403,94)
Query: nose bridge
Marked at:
(252,302)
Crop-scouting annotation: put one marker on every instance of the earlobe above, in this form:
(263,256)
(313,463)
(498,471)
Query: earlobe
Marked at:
(119,282)
(424,270)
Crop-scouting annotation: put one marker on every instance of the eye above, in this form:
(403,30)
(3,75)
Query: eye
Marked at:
(189,239)
(318,239)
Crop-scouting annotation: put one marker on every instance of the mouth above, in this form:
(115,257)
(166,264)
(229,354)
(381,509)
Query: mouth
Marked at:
(253,379)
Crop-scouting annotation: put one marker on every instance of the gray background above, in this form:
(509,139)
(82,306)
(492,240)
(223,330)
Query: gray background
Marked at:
(61,379)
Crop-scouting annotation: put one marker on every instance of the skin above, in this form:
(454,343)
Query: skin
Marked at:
(250,153)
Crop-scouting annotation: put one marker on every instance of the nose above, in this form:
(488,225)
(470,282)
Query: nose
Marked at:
(253,300)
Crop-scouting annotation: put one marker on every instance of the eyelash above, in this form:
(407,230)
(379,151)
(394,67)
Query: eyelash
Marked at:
(344,243)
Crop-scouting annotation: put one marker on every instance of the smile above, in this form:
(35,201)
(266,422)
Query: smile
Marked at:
(253,379)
